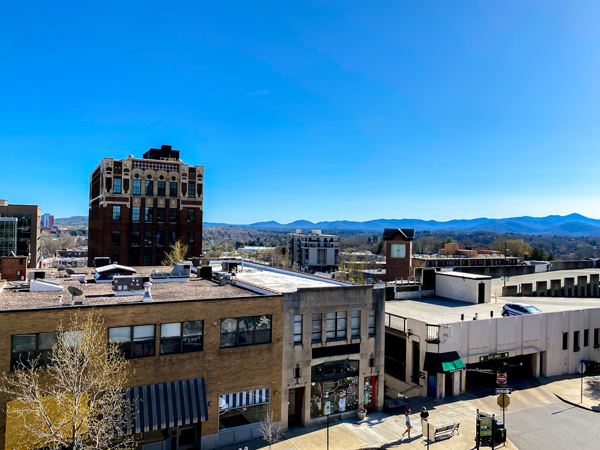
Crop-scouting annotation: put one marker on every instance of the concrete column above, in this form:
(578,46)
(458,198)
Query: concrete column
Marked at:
(536,364)
(541,288)
(456,382)
(441,385)
(569,285)
(555,288)
(581,286)
(594,283)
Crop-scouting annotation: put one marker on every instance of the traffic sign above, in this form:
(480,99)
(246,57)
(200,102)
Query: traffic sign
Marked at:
(503,401)
(501,378)
(581,368)
(503,391)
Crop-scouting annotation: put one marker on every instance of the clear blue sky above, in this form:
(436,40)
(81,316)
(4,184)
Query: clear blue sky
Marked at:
(310,110)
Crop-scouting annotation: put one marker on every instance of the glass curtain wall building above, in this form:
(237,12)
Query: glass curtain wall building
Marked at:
(8,236)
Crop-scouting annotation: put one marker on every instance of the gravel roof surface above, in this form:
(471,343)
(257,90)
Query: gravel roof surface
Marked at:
(102,293)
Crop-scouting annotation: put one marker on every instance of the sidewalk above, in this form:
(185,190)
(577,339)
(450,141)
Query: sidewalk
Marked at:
(384,431)
(380,430)
(568,389)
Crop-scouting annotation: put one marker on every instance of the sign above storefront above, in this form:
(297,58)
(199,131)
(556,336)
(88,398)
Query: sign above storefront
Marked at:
(493,356)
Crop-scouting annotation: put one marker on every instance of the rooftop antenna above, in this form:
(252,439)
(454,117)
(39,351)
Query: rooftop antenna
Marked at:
(74,293)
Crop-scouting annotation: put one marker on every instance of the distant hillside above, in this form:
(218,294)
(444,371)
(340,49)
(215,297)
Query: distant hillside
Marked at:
(572,225)
(71,221)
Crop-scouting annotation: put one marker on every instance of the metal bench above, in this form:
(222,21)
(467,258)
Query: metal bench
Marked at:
(395,403)
(446,430)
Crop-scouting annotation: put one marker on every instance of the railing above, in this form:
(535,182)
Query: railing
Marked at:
(394,322)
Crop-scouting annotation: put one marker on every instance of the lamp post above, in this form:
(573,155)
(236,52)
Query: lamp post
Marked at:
(505,249)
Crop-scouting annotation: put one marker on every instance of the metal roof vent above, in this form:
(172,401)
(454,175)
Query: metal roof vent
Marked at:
(147,296)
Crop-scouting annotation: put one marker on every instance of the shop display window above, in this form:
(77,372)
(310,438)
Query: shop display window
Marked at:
(335,384)
(340,394)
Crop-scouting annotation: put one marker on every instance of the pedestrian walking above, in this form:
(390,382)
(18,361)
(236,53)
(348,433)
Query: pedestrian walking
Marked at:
(408,424)
(424,419)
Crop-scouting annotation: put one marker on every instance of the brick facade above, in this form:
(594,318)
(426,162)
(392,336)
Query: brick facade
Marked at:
(161,230)
(395,267)
(225,370)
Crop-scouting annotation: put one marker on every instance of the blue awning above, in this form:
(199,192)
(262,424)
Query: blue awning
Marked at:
(168,405)
(245,398)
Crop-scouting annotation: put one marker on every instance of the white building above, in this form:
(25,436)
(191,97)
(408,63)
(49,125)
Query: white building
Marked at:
(436,347)
(314,251)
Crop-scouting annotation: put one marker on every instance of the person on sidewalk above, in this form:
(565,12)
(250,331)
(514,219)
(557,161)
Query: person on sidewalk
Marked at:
(424,419)
(408,424)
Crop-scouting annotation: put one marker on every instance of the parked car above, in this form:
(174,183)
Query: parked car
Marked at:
(518,309)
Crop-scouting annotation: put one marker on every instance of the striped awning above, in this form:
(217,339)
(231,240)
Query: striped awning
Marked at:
(245,398)
(168,405)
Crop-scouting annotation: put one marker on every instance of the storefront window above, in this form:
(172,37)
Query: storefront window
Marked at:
(340,394)
(335,384)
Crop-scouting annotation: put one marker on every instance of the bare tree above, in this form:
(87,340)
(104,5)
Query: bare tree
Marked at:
(178,252)
(79,400)
(269,430)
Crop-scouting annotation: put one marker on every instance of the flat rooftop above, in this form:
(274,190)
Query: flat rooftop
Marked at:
(438,310)
(97,294)
(281,281)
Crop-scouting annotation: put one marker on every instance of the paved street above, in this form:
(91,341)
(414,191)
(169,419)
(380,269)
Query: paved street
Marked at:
(556,426)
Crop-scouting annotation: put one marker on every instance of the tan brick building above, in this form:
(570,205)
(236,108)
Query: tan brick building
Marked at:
(240,371)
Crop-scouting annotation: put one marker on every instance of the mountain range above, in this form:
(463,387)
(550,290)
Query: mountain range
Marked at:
(571,225)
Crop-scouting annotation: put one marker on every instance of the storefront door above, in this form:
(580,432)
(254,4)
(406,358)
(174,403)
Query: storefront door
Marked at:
(370,393)
(295,406)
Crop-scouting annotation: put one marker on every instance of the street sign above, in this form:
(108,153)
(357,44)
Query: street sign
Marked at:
(493,356)
(581,368)
(503,391)
(503,401)
(501,378)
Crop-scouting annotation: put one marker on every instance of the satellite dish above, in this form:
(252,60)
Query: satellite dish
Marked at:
(75,291)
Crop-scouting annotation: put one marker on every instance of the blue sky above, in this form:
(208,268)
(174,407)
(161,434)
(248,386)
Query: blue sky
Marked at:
(310,110)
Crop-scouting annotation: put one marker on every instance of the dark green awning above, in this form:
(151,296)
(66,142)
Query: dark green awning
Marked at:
(442,362)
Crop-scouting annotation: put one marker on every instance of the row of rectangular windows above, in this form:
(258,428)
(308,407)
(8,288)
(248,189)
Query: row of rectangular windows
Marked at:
(115,238)
(336,326)
(586,339)
(149,212)
(139,341)
(149,188)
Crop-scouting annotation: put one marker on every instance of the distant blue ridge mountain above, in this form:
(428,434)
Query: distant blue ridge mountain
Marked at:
(572,225)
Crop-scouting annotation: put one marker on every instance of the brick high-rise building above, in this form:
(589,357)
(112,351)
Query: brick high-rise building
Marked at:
(138,207)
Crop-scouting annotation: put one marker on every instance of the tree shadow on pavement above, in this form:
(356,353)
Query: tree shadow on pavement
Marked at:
(592,388)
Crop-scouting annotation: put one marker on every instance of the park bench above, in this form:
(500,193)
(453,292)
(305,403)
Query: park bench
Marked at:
(395,403)
(445,430)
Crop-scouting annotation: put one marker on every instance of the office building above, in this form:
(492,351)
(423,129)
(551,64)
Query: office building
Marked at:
(140,206)
(27,231)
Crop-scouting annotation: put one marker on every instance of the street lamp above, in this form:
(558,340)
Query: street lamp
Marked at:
(505,249)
